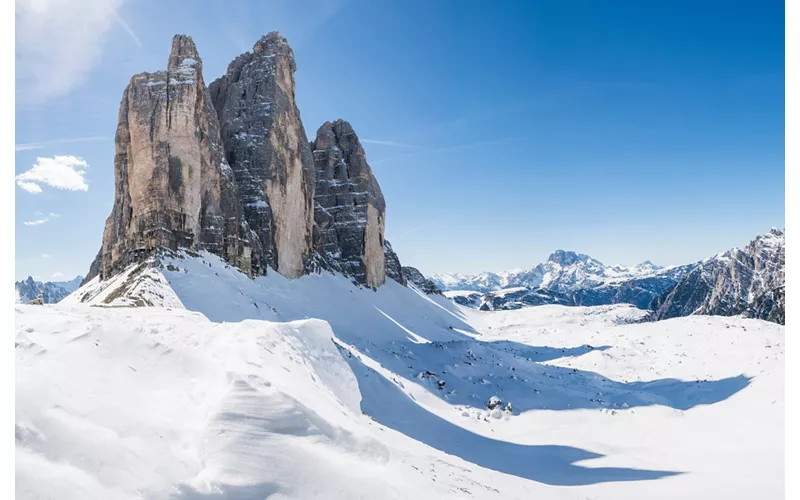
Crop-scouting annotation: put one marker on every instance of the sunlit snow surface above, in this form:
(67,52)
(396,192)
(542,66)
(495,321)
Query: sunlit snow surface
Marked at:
(313,388)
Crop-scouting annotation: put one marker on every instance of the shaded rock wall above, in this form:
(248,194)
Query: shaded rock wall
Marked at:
(349,207)
(266,145)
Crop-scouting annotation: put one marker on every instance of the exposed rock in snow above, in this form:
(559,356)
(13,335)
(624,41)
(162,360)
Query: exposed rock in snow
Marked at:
(466,298)
(422,283)
(391,264)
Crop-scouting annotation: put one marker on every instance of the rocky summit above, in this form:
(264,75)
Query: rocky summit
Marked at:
(229,169)
(349,209)
(266,145)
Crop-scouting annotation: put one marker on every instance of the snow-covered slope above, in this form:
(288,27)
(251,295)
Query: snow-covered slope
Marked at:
(132,402)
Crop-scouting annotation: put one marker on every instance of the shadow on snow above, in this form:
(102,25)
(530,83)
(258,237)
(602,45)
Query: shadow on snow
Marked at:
(548,464)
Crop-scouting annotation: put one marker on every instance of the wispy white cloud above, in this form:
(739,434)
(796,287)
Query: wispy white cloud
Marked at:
(43,144)
(39,222)
(58,42)
(60,172)
(46,256)
(30,187)
(389,143)
(57,274)
(127,28)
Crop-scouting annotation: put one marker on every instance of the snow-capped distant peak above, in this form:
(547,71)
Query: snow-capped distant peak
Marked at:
(564,270)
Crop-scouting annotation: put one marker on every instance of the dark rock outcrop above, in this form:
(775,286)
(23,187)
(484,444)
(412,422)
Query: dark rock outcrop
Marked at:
(391,264)
(267,148)
(95,268)
(417,279)
(769,305)
(468,299)
(748,282)
(522,297)
(174,188)
(349,210)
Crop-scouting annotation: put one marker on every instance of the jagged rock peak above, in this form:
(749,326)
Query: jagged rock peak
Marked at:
(273,44)
(349,209)
(567,257)
(183,48)
(267,147)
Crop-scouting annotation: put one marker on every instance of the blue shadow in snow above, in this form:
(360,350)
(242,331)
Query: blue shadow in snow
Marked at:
(548,464)
(473,371)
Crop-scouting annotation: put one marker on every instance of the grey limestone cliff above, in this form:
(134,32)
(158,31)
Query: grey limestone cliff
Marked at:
(174,188)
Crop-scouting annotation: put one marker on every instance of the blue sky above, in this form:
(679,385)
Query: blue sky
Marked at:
(627,130)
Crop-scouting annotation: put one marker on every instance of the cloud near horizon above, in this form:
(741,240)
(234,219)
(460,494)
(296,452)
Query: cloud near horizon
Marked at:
(39,222)
(60,172)
(41,145)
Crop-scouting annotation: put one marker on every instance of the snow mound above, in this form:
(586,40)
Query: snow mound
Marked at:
(119,403)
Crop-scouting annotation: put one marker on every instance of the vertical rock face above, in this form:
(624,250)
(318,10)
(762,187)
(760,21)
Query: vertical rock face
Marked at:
(174,187)
(349,208)
(266,145)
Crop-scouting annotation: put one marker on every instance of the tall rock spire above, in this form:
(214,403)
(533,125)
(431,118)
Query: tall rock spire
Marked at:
(350,211)
(174,188)
(266,145)
(229,169)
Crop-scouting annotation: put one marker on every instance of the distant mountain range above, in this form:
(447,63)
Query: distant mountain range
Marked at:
(51,291)
(565,278)
(749,282)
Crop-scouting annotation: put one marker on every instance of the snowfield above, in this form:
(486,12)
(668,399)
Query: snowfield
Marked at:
(313,388)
